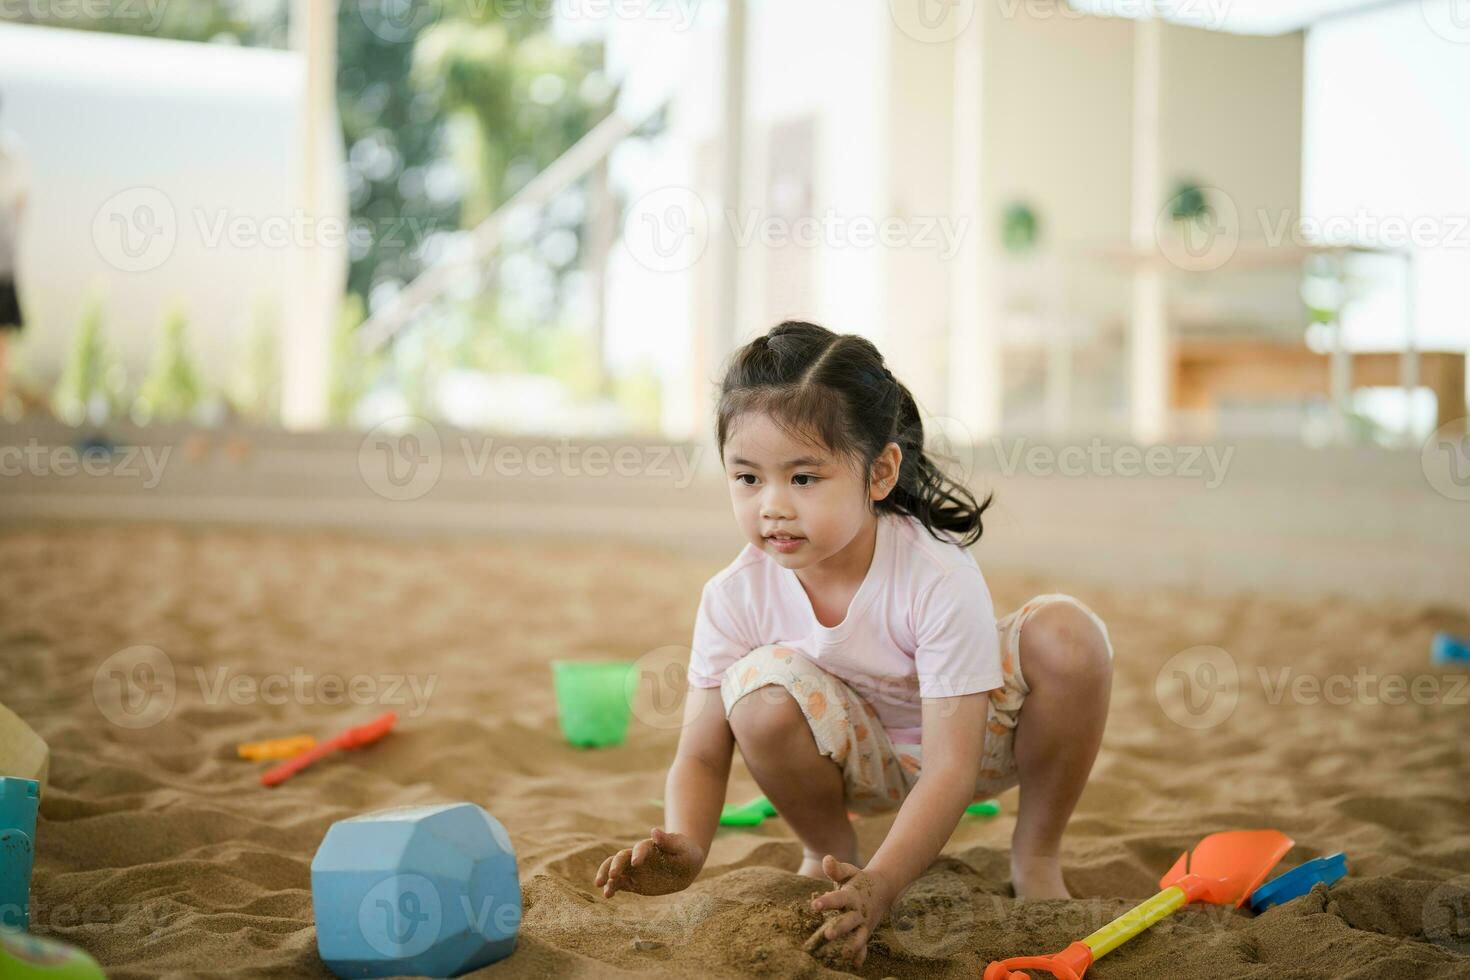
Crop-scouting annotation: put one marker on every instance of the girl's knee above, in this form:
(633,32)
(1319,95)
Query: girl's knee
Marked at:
(766,716)
(1061,640)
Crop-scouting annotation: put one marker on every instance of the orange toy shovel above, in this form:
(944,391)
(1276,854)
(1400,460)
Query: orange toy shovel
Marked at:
(353,738)
(1223,869)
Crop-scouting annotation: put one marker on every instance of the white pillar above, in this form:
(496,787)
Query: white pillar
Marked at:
(974,385)
(315,296)
(725,327)
(1148,347)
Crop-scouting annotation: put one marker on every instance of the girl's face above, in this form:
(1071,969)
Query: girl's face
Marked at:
(797,501)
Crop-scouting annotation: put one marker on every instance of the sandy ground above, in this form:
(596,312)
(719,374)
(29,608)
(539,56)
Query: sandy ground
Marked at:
(160,854)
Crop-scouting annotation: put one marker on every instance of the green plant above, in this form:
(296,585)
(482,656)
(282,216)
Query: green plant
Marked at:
(352,372)
(172,389)
(1020,229)
(1188,202)
(92,386)
(256,393)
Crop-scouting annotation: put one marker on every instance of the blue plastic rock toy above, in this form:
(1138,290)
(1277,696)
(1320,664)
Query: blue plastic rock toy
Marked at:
(425,890)
(18,801)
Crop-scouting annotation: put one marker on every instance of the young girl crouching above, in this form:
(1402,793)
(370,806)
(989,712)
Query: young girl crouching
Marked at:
(859,663)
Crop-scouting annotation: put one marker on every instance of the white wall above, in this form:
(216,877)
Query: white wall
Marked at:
(196,142)
(1388,144)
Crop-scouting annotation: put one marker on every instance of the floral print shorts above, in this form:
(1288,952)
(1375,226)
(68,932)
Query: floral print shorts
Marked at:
(878,772)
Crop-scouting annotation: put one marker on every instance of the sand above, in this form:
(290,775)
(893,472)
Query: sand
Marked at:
(160,854)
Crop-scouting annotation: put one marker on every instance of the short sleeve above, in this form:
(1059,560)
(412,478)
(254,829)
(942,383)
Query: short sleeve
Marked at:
(957,650)
(719,638)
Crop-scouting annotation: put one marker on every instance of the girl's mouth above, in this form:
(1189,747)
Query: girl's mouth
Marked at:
(785,543)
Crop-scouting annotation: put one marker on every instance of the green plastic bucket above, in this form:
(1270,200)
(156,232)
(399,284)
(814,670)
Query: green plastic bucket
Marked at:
(592,701)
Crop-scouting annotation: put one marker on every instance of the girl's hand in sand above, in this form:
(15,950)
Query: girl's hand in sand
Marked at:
(657,865)
(864,897)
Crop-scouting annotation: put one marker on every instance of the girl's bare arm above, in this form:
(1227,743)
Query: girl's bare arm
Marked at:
(671,856)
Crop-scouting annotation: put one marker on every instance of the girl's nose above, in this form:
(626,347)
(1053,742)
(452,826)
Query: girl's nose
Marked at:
(775,507)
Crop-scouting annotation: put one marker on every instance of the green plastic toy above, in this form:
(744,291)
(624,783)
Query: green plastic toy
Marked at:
(592,701)
(746,814)
(985,808)
(27,957)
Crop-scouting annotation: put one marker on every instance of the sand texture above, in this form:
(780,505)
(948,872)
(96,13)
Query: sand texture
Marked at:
(160,854)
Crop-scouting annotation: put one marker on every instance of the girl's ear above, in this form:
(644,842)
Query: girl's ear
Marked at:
(885,472)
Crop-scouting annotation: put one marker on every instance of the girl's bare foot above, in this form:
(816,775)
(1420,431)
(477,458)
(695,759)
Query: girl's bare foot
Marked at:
(1038,877)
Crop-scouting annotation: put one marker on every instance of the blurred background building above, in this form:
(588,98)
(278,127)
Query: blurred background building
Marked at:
(285,226)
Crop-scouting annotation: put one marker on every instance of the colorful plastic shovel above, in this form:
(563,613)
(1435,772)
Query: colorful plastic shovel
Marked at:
(1298,881)
(353,738)
(1223,869)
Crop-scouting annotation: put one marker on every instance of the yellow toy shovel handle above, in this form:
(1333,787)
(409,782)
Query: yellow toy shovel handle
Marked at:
(1136,920)
(1073,961)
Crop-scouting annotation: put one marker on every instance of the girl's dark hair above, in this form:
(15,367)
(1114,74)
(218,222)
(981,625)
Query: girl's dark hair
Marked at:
(835,387)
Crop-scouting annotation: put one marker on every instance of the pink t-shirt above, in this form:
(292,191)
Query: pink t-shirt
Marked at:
(921,625)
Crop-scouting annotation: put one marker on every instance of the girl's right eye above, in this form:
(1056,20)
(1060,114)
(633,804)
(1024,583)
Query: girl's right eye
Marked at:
(748,479)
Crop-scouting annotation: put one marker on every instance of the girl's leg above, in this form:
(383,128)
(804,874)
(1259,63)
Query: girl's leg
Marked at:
(1064,658)
(804,785)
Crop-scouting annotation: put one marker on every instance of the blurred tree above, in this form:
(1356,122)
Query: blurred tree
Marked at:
(254,23)
(93,383)
(172,389)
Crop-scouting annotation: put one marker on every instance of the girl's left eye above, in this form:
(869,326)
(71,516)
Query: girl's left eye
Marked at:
(810,480)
